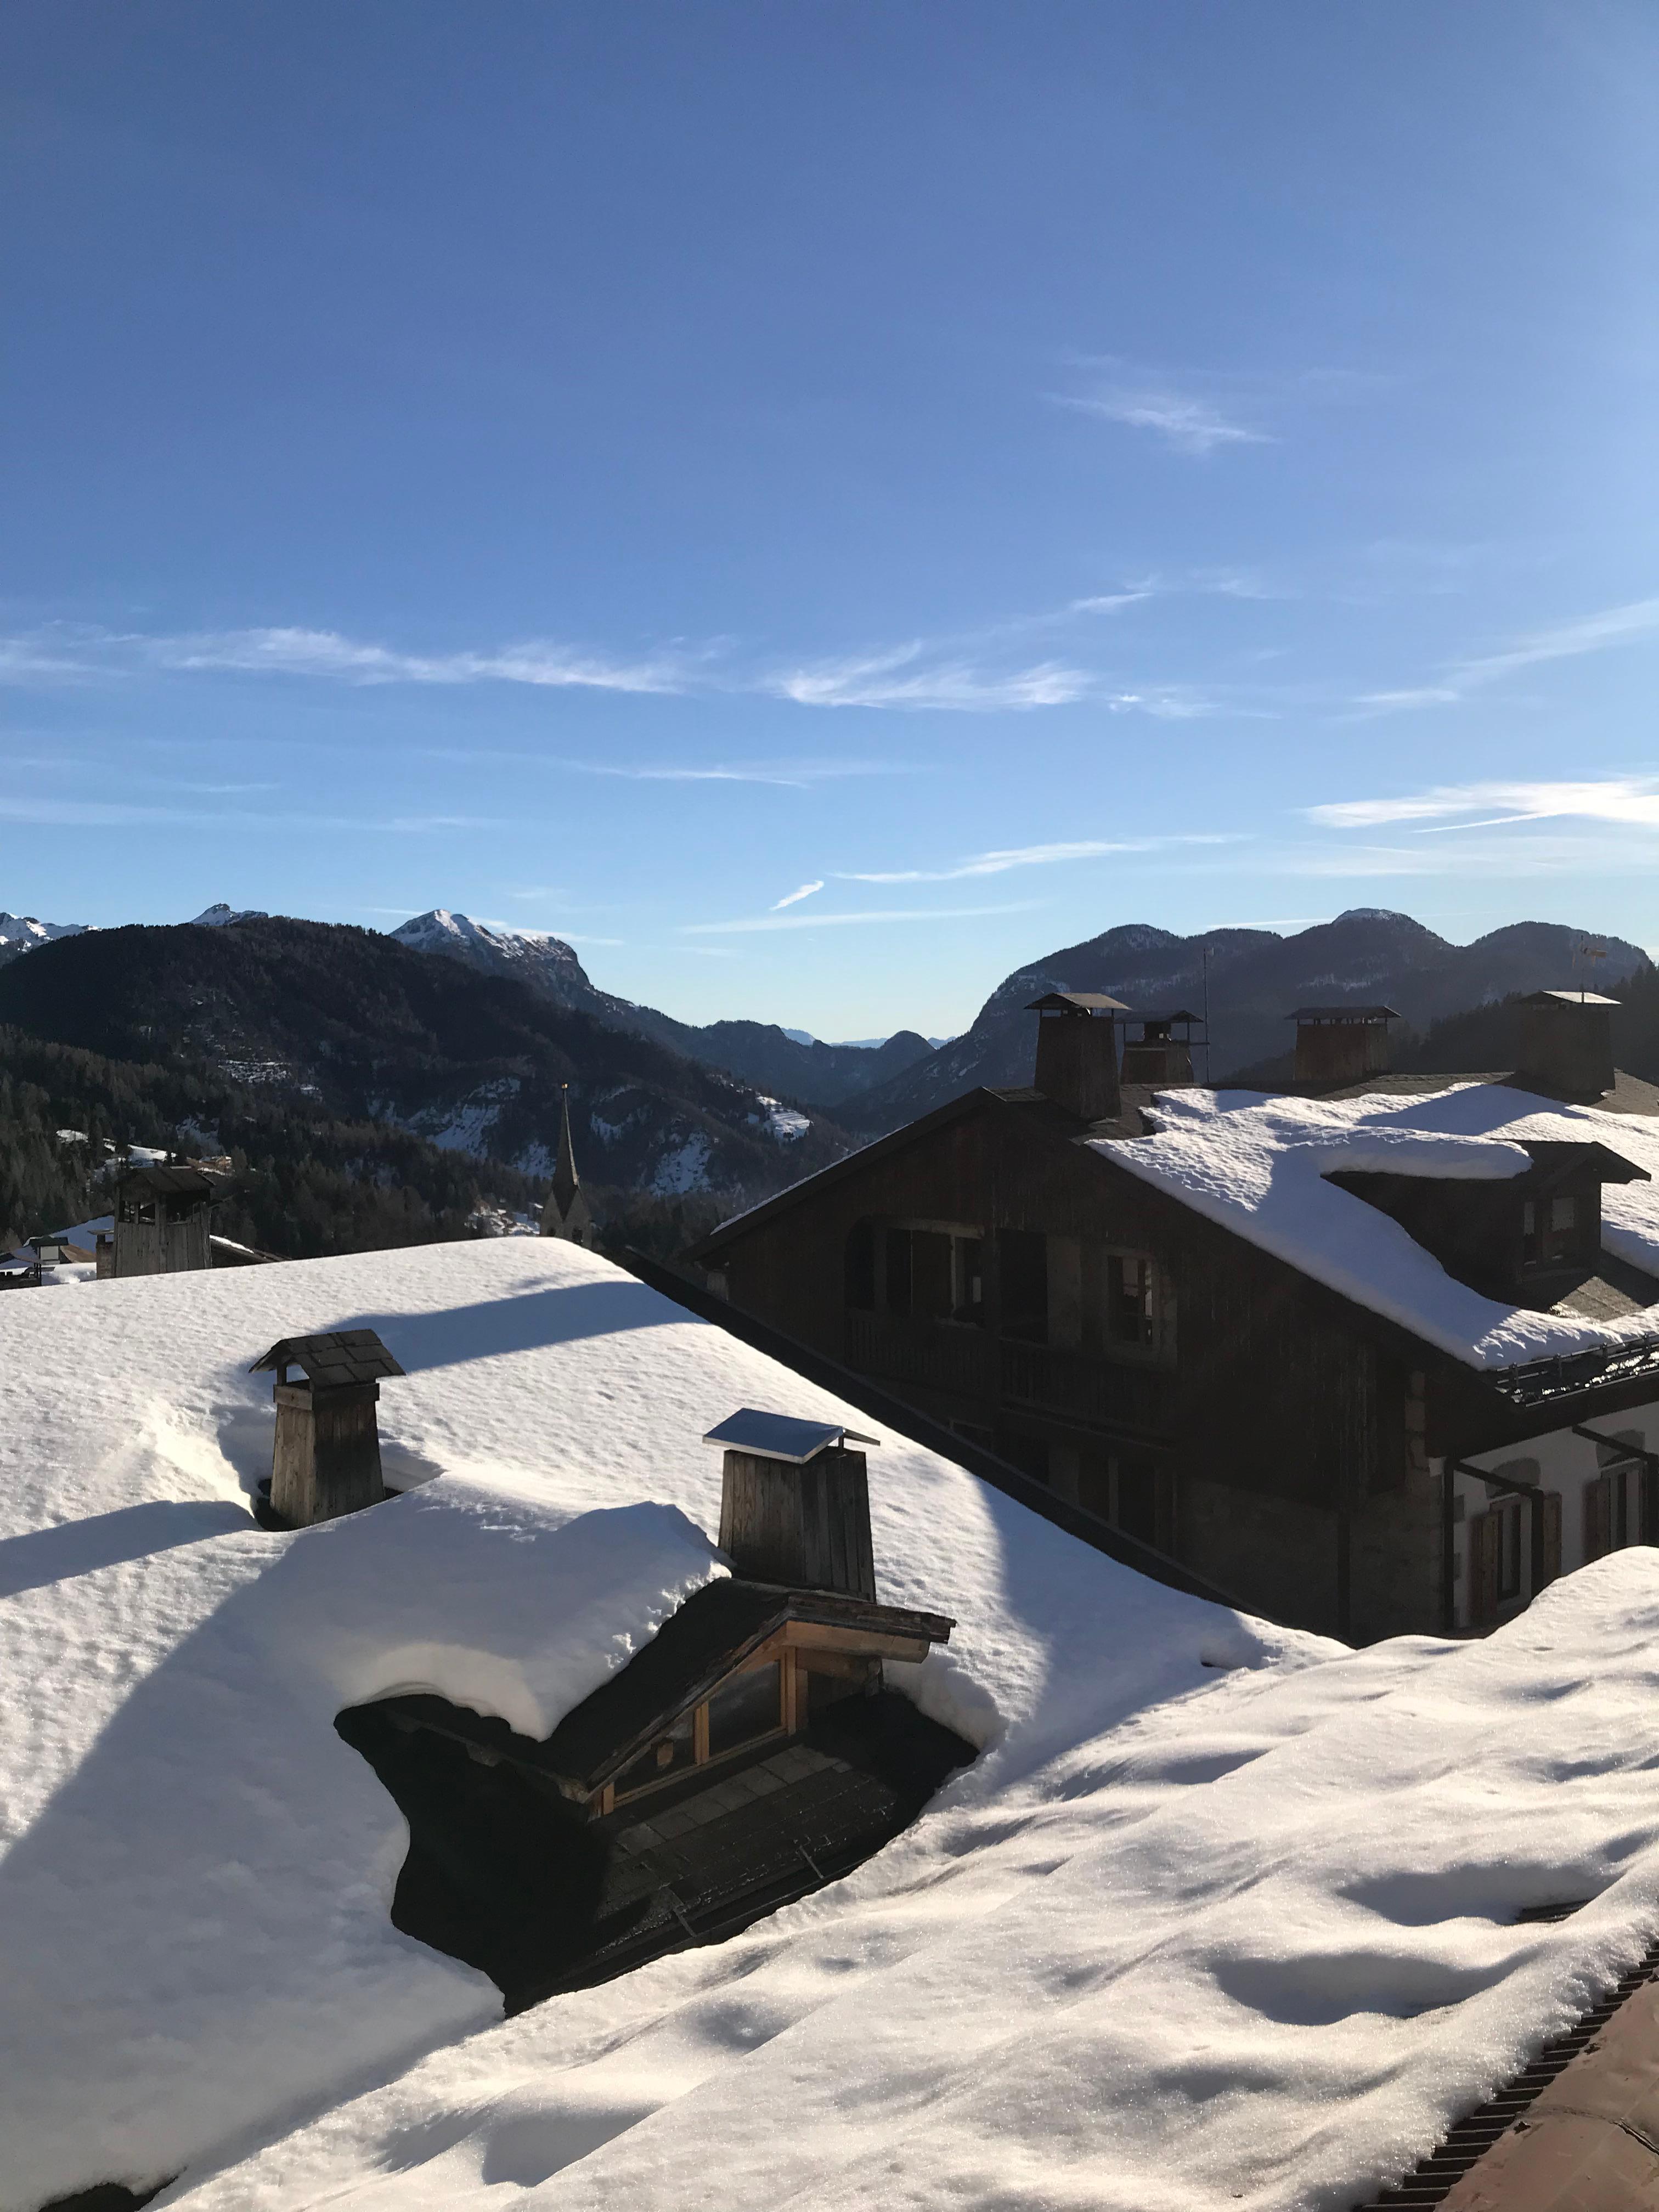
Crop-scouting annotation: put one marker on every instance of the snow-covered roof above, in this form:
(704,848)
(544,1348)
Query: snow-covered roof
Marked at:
(1261,1165)
(1222,1915)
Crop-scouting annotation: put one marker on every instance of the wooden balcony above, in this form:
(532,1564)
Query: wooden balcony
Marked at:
(968,1363)
(937,1355)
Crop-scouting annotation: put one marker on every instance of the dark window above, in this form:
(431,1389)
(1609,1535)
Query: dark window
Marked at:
(1137,1498)
(1561,1240)
(748,1706)
(930,1273)
(670,1753)
(1029,1454)
(969,1262)
(898,1271)
(1024,1257)
(861,1267)
(1509,1547)
(1130,1314)
(1528,1233)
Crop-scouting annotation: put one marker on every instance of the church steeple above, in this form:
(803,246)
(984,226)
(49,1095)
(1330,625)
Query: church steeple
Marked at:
(567,1212)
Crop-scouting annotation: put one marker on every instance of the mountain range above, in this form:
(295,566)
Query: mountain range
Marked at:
(351,1023)
(463,1033)
(761,1052)
(1255,980)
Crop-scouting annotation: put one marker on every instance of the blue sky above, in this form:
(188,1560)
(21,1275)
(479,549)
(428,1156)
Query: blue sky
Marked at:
(1011,470)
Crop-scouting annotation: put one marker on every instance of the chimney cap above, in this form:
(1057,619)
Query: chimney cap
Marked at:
(1079,1002)
(1569,998)
(780,1435)
(341,1356)
(1305,1017)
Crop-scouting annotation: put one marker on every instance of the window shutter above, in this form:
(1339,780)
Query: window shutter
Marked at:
(1598,1503)
(1549,1566)
(1485,1538)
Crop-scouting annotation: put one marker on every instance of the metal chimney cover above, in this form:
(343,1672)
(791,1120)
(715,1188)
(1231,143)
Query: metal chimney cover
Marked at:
(780,1435)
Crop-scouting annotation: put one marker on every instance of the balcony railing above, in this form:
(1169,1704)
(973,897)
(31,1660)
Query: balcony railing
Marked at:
(1073,1385)
(938,1355)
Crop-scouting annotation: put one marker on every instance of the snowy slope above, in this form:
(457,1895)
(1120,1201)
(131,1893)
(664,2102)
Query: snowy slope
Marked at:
(1260,1165)
(1221,1915)
(535,956)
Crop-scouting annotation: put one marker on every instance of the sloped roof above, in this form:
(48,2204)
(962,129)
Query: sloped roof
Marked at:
(694,1649)
(352,1355)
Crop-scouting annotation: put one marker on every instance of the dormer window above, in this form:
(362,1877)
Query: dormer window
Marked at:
(1556,1242)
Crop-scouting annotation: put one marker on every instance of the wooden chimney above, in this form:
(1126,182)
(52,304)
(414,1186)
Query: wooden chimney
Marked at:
(795,1503)
(1077,1051)
(1339,1045)
(327,1456)
(1566,1042)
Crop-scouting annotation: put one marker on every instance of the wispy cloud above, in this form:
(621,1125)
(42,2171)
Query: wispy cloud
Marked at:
(794,898)
(1632,800)
(1192,425)
(775,920)
(1025,856)
(906,677)
(790,775)
(284,652)
(1567,640)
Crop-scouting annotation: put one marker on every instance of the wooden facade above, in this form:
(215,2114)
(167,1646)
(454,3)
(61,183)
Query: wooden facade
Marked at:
(163,1220)
(1155,1368)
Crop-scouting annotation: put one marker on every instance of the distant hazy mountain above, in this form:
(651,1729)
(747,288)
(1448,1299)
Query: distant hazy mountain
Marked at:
(21,932)
(789,1062)
(1256,980)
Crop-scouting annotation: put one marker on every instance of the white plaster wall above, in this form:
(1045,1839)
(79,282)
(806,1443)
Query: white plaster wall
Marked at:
(1565,1463)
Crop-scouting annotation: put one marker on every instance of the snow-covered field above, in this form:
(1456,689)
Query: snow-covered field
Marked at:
(1223,1914)
(1260,1165)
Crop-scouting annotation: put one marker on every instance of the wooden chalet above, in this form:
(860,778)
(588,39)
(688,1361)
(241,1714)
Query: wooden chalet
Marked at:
(750,1752)
(998,1267)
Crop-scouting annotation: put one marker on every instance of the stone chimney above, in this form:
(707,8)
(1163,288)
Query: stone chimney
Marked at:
(1339,1045)
(1158,1056)
(795,1503)
(1566,1042)
(1076,1052)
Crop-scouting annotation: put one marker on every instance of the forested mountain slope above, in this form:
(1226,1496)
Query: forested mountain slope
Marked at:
(366,1029)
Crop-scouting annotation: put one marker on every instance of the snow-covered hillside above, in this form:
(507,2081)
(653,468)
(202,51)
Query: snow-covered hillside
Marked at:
(1222,1915)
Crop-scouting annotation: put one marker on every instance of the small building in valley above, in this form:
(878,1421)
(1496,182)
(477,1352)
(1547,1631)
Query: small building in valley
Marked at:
(1376,1356)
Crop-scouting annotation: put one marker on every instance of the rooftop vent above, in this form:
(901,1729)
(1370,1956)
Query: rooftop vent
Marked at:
(1336,1045)
(326,1460)
(1566,1042)
(1157,1056)
(1077,1051)
(795,1503)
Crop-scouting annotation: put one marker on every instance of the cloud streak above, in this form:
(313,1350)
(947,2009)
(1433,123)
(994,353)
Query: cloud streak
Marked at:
(1028,856)
(1567,641)
(794,898)
(1631,800)
(1191,425)
(752,923)
(905,677)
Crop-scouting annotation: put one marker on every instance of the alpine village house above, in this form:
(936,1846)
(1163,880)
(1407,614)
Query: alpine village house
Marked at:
(1330,1463)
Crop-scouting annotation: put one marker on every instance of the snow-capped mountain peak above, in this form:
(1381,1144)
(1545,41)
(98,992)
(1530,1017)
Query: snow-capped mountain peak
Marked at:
(21,932)
(533,956)
(216,915)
